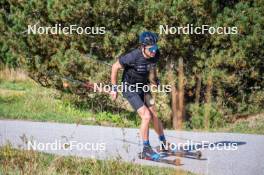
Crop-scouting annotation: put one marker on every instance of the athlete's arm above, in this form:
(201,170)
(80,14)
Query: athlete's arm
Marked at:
(116,66)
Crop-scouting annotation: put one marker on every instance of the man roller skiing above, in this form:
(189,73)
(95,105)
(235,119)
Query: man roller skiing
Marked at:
(139,65)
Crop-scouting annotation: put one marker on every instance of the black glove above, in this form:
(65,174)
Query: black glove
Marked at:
(157,82)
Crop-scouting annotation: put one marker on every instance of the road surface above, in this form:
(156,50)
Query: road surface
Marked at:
(240,154)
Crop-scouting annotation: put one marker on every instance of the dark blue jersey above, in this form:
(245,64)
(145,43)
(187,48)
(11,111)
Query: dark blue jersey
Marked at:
(137,67)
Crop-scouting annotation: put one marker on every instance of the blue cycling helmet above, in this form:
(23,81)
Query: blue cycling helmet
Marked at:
(148,38)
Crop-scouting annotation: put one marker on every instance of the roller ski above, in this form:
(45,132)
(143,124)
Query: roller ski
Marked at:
(178,152)
(149,154)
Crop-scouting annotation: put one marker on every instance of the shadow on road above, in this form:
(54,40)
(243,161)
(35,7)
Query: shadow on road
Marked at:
(206,145)
(193,147)
(192,154)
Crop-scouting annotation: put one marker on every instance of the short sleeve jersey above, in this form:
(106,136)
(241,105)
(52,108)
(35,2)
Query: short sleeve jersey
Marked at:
(136,66)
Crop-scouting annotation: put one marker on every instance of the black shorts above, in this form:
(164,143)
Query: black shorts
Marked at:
(138,99)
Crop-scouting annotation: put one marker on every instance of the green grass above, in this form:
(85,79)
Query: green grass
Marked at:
(26,100)
(13,161)
(252,126)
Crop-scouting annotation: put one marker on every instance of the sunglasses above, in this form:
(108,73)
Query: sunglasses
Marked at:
(154,48)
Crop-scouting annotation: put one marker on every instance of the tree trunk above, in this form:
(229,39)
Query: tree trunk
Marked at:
(174,97)
(177,95)
(181,108)
(208,96)
(198,89)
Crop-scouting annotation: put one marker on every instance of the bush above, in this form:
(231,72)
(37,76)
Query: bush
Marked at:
(235,61)
(197,113)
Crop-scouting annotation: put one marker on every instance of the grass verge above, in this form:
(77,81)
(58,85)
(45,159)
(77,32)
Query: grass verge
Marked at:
(13,161)
(252,125)
(21,98)
(24,99)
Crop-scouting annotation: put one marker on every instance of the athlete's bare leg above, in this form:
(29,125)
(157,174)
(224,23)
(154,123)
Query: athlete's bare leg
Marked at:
(145,115)
(156,122)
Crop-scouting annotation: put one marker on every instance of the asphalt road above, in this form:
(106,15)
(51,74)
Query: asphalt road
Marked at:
(243,153)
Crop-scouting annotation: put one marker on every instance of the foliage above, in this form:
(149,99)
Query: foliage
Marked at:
(234,61)
(253,125)
(216,119)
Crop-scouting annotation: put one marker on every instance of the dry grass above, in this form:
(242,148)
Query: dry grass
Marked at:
(13,161)
(10,74)
(6,93)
